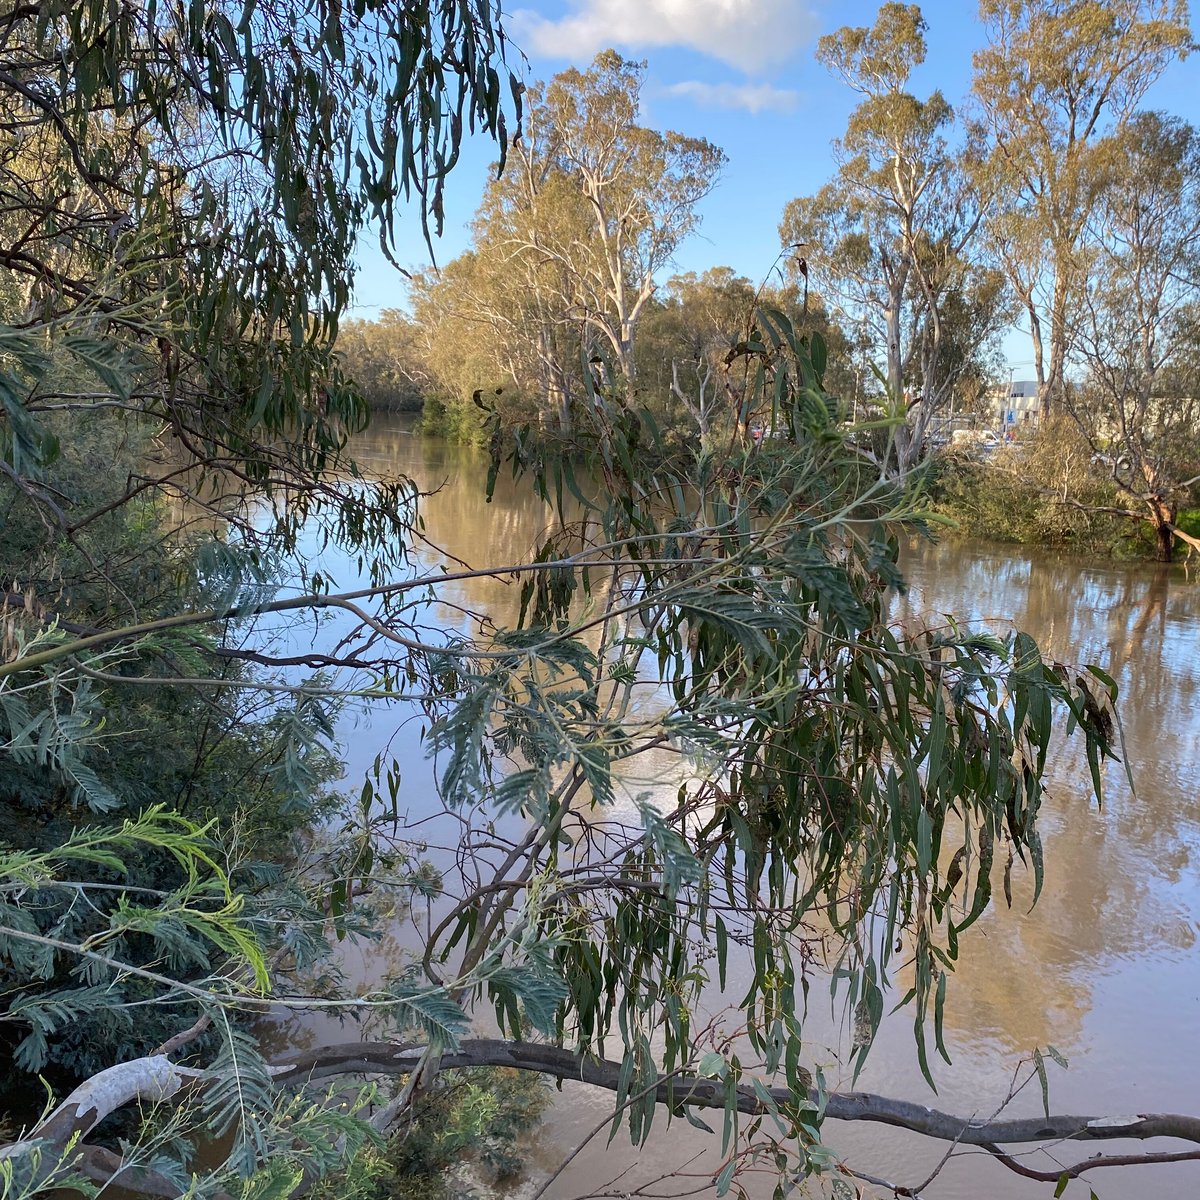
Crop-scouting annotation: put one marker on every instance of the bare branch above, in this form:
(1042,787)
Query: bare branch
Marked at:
(387,1059)
(156,1078)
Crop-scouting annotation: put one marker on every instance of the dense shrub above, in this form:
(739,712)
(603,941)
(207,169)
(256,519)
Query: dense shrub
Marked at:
(1043,489)
(466,1130)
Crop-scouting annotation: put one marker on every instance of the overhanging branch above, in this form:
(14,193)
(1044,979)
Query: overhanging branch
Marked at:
(385,1058)
(155,1078)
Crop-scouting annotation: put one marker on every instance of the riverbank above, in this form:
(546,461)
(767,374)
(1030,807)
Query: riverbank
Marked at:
(1047,492)
(1040,491)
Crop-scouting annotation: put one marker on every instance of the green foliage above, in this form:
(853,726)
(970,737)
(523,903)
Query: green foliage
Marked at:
(890,237)
(183,190)
(1188,520)
(445,415)
(1139,337)
(187,186)
(95,925)
(476,1119)
(726,605)
(836,768)
(79,751)
(1043,491)
(1050,83)
(841,768)
(42,1172)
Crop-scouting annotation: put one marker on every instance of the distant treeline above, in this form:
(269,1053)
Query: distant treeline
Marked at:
(382,358)
(1072,210)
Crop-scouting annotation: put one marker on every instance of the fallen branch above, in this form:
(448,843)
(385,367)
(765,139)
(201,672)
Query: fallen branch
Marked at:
(384,1058)
(155,1078)
(147,1080)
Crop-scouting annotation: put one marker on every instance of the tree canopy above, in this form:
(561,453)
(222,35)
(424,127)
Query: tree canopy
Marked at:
(1052,80)
(182,190)
(570,242)
(1137,332)
(890,237)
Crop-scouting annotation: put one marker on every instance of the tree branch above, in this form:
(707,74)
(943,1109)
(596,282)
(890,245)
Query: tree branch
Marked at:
(388,1059)
(1089,1164)
(150,1079)
(156,1078)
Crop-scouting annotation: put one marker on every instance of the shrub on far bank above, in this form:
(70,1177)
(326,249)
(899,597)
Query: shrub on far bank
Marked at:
(460,419)
(1040,490)
(450,421)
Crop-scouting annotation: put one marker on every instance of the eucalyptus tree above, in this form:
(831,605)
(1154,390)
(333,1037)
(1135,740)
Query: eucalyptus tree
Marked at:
(696,322)
(889,236)
(513,304)
(578,229)
(1138,328)
(640,187)
(182,189)
(184,261)
(384,358)
(1053,80)
(686,334)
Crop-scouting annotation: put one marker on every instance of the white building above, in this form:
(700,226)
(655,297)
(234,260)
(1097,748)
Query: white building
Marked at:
(1015,406)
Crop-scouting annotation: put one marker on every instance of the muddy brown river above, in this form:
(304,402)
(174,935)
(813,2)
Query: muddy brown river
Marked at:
(1106,968)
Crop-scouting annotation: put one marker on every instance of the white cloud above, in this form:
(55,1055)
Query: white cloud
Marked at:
(750,34)
(753,97)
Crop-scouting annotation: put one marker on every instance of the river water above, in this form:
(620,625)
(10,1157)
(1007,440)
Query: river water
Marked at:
(1105,969)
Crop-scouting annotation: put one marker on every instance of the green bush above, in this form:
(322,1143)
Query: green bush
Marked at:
(262,769)
(460,419)
(1188,519)
(476,1118)
(1042,490)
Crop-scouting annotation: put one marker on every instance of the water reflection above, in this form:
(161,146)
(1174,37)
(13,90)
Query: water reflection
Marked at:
(1105,968)
(460,527)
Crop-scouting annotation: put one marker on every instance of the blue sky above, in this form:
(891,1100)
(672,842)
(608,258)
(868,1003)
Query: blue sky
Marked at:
(742,74)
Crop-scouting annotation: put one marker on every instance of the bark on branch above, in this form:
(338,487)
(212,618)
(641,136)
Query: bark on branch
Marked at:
(155,1078)
(150,1080)
(385,1058)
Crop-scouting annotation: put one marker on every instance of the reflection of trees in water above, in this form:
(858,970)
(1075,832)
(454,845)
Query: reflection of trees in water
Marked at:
(1031,978)
(1140,624)
(1113,878)
(458,519)
(1113,885)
